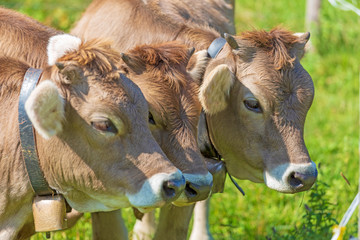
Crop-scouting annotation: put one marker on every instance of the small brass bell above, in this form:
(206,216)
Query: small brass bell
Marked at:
(49,213)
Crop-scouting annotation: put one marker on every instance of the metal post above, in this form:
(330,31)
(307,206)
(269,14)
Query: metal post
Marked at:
(312,15)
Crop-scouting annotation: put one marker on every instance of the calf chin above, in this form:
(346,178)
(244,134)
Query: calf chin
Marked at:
(83,202)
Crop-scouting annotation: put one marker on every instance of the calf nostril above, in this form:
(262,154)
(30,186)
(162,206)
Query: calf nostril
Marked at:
(190,190)
(195,192)
(302,181)
(295,180)
(173,188)
(169,189)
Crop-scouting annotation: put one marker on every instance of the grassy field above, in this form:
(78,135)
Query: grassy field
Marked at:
(331,131)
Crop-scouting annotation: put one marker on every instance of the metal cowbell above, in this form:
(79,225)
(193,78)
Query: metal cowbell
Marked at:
(49,213)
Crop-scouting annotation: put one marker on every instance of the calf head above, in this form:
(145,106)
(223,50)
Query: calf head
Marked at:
(95,146)
(256,95)
(160,72)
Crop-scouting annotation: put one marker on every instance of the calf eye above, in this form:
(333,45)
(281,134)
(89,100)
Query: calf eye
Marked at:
(104,126)
(253,105)
(151,119)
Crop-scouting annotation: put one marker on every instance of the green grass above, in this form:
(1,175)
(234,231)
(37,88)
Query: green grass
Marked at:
(331,130)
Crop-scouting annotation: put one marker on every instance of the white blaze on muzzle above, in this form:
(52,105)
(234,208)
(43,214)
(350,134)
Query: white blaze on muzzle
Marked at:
(290,177)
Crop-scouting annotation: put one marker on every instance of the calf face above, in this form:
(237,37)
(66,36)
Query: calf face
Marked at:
(258,85)
(96,148)
(160,72)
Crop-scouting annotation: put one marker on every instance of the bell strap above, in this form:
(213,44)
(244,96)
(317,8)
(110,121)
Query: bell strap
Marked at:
(205,145)
(27,136)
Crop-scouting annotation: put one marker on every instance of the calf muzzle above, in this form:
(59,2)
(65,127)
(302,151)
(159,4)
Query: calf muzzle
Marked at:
(291,178)
(195,192)
(173,188)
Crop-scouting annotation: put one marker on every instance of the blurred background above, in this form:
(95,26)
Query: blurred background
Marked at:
(331,129)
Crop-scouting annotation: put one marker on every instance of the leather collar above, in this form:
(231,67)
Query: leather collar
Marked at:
(27,136)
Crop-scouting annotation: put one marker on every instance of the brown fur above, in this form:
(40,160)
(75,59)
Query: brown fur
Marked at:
(95,54)
(135,21)
(217,14)
(9,83)
(276,43)
(22,37)
(164,59)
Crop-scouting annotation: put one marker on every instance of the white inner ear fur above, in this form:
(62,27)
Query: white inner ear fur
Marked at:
(198,70)
(59,45)
(215,89)
(46,109)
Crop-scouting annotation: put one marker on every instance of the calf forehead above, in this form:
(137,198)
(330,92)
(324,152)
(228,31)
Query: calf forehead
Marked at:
(175,104)
(297,92)
(298,98)
(115,89)
(289,89)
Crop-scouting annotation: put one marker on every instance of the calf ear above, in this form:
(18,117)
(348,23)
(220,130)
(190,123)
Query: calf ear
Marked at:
(61,44)
(46,109)
(215,89)
(302,46)
(70,73)
(133,63)
(197,65)
(240,47)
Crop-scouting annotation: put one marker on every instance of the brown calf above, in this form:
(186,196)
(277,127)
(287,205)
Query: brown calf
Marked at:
(160,72)
(93,141)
